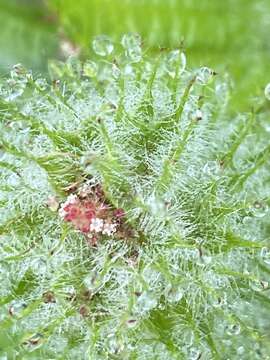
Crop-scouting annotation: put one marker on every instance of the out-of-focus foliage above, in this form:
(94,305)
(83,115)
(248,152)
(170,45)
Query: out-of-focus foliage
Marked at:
(27,34)
(228,35)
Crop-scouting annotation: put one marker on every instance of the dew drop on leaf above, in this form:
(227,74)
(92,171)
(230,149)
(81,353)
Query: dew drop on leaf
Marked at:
(233,329)
(147,301)
(241,350)
(73,66)
(90,69)
(265,284)
(259,209)
(131,323)
(174,294)
(16,307)
(265,255)
(131,42)
(108,71)
(102,45)
(114,346)
(175,63)
(205,75)
(267,91)
(129,71)
(258,285)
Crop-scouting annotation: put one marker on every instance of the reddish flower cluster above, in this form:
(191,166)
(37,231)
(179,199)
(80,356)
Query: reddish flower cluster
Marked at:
(82,212)
(88,213)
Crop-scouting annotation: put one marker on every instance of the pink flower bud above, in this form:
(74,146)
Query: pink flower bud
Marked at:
(119,213)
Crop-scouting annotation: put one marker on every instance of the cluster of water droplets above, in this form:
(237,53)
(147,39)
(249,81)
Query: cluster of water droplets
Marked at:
(131,55)
(111,62)
(15,86)
(104,47)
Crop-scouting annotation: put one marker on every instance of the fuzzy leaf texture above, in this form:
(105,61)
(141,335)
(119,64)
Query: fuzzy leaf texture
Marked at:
(134,212)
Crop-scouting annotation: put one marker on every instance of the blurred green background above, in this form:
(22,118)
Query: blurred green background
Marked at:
(28,34)
(230,36)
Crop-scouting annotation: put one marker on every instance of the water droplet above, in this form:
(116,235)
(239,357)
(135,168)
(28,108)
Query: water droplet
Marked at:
(265,284)
(265,255)
(264,121)
(102,45)
(259,209)
(90,69)
(174,294)
(113,344)
(205,75)
(267,91)
(16,307)
(131,42)
(156,206)
(131,323)
(92,281)
(175,63)
(108,71)
(258,285)
(187,337)
(147,301)
(129,71)
(197,114)
(233,329)
(73,66)
(34,341)
(241,350)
